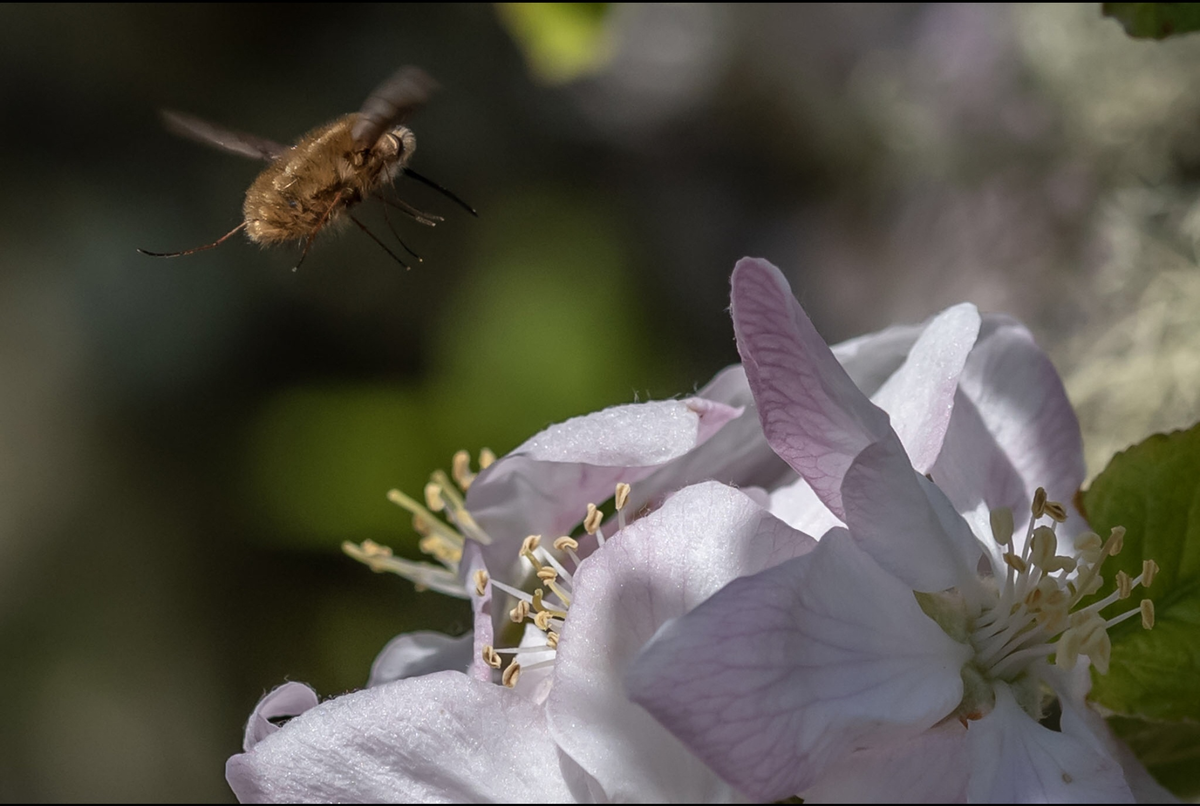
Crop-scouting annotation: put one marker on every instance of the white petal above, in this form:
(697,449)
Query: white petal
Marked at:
(931,768)
(544,486)
(919,397)
(798,506)
(657,568)
(780,674)
(443,737)
(288,700)
(906,524)
(417,653)
(871,359)
(1016,760)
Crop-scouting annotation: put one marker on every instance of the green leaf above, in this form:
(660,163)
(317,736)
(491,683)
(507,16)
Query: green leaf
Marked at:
(1170,751)
(1155,20)
(1153,490)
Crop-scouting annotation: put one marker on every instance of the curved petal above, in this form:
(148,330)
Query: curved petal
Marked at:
(738,454)
(919,396)
(544,486)
(906,524)
(1016,760)
(779,675)
(418,653)
(798,506)
(286,701)
(871,359)
(443,737)
(813,415)
(1021,399)
(931,768)
(655,569)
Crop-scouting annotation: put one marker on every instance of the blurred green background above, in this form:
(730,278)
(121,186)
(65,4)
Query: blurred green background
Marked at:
(184,444)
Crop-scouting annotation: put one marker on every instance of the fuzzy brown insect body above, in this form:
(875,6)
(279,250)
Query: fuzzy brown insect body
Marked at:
(313,184)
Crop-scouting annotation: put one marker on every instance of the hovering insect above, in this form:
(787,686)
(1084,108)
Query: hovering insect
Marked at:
(314,183)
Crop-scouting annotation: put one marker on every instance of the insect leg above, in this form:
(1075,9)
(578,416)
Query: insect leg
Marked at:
(212,245)
(421,217)
(320,223)
(382,245)
(423,180)
(387,220)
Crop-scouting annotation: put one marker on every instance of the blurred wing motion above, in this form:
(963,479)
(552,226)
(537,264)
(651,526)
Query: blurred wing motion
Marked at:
(246,145)
(391,102)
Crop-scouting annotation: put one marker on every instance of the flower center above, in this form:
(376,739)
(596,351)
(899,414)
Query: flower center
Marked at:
(546,608)
(1035,608)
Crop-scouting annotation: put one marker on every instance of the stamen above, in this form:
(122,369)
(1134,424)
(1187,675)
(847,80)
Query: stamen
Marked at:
(1124,585)
(490,657)
(1149,571)
(486,458)
(481,581)
(1002,525)
(1038,506)
(1056,511)
(460,470)
(510,675)
(429,521)
(1147,608)
(423,575)
(591,523)
(622,498)
(433,497)
(520,612)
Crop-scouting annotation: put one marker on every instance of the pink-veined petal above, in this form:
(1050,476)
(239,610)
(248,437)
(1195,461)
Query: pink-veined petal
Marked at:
(906,524)
(656,569)
(1016,760)
(286,701)
(919,397)
(544,486)
(780,674)
(813,415)
(439,738)
(930,768)
(423,652)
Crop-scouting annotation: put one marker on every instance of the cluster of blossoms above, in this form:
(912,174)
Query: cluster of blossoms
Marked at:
(840,574)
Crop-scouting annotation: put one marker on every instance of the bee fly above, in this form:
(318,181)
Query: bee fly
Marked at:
(314,183)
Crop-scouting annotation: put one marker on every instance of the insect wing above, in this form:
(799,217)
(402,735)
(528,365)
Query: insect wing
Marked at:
(392,101)
(246,145)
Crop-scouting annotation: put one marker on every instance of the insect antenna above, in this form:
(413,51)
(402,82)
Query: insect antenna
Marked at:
(212,245)
(387,220)
(426,181)
(382,245)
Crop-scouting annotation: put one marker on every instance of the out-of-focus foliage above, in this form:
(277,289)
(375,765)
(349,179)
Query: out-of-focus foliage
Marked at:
(1153,490)
(561,41)
(1155,20)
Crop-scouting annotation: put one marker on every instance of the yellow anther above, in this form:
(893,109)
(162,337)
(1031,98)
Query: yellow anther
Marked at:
(622,497)
(1039,502)
(486,458)
(541,620)
(433,497)
(1043,544)
(537,600)
(592,522)
(490,657)
(1002,525)
(510,675)
(460,470)
(1056,511)
(481,582)
(1149,571)
(530,543)
(1089,547)
(1124,585)
(520,612)
(370,553)
(566,543)
(1115,542)
(552,639)
(547,574)
(1015,562)
(1059,563)
(1147,608)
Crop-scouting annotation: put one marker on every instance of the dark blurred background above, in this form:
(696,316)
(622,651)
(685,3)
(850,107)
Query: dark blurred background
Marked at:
(184,444)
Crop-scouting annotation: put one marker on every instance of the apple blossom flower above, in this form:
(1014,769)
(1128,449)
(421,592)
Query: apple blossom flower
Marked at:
(907,655)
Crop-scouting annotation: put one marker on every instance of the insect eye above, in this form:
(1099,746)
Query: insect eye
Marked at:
(292,203)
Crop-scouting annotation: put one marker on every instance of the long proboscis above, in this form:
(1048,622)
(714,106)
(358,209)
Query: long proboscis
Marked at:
(194,250)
